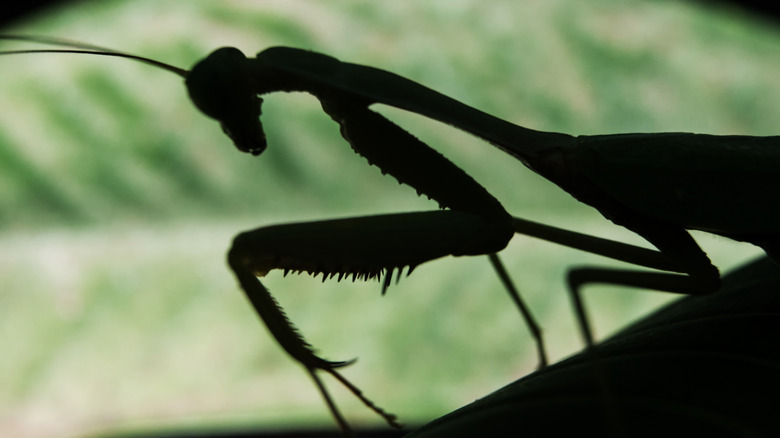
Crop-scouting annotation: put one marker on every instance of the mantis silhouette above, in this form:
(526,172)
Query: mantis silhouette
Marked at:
(657,185)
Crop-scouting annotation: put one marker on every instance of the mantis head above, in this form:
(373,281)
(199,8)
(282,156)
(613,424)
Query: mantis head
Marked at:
(221,86)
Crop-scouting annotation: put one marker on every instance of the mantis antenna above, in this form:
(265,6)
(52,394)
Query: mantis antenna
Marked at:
(86,49)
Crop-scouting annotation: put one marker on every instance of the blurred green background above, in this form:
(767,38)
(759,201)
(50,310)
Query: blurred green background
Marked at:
(118,201)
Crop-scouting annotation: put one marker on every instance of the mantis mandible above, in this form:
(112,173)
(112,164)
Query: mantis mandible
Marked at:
(657,185)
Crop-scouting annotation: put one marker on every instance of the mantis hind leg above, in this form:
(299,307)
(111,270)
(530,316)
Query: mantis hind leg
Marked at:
(691,284)
(686,269)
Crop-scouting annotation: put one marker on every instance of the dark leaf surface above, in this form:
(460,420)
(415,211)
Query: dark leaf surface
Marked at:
(702,366)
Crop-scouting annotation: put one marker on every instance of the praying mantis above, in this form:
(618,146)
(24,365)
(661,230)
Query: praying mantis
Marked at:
(657,185)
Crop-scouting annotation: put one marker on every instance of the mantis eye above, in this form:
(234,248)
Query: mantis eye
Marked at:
(221,86)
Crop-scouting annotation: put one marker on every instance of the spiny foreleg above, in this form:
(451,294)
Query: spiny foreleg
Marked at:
(290,339)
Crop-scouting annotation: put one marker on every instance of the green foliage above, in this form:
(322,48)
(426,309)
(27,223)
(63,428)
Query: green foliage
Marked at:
(119,199)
